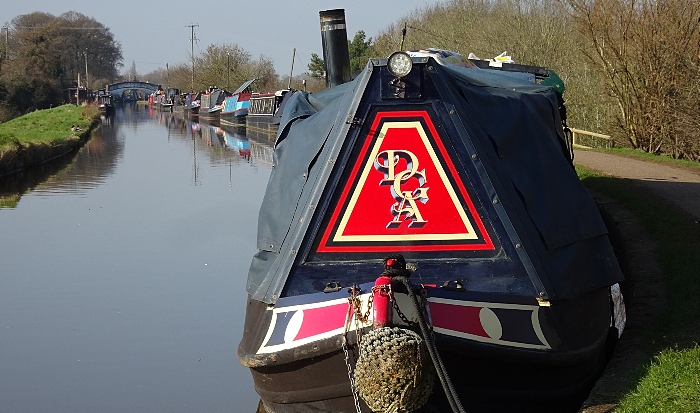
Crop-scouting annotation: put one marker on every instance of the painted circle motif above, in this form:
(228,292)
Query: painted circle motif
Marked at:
(491,323)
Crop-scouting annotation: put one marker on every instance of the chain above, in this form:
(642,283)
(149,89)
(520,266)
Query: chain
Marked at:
(354,307)
(353,389)
(395,304)
(356,304)
(423,304)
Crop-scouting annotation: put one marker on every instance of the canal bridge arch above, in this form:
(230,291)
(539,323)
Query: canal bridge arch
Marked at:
(116,89)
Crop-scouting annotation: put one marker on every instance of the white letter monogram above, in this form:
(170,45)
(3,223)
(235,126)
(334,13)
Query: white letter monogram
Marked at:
(386,162)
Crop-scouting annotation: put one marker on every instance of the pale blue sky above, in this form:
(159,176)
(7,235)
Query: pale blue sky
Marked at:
(154,32)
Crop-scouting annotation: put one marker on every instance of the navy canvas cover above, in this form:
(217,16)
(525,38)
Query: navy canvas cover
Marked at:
(512,123)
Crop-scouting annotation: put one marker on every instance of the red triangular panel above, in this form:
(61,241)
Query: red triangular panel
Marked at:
(404,193)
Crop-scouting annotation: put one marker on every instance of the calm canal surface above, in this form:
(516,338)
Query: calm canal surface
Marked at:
(123,271)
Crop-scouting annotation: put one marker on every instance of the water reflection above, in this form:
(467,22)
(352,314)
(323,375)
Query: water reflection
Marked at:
(237,141)
(80,170)
(123,270)
(229,143)
(77,172)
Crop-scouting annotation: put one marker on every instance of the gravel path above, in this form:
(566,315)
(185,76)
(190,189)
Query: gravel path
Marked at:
(676,184)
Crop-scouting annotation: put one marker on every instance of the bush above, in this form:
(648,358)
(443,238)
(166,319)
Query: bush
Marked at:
(22,94)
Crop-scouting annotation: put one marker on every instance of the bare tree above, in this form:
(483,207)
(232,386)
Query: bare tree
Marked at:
(220,64)
(649,54)
(538,32)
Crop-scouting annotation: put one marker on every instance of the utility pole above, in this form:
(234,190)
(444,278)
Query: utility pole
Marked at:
(192,26)
(228,69)
(87,83)
(294,54)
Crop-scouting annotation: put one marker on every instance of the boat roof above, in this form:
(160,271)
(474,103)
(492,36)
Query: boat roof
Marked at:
(244,86)
(498,154)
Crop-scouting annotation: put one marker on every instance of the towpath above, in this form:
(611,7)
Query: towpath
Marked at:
(646,289)
(680,186)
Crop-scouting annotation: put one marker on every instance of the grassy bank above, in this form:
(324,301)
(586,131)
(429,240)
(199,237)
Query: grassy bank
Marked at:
(670,379)
(42,135)
(46,126)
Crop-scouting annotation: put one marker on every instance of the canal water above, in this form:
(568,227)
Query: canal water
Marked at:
(123,270)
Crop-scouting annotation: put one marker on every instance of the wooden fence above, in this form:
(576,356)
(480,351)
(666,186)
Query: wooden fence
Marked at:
(585,139)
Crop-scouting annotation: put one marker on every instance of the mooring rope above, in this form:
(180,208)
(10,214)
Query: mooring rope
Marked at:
(450,391)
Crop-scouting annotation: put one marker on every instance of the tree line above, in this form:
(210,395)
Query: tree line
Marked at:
(224,66)
(42,54)
(631,67)
(227,66)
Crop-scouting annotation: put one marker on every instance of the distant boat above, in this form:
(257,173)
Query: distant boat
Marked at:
(172,96)
(264,108)
(211,104)
(105,102)
(159,101)
(192,104)
(235,107)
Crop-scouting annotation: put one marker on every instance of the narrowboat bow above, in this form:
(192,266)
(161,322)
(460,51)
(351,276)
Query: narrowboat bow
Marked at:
(424,238)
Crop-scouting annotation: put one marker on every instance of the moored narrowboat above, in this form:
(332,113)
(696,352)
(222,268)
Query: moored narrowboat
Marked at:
(211,104)
(263,110)
(424,230)
(191,104)
(235,106)
(105,102)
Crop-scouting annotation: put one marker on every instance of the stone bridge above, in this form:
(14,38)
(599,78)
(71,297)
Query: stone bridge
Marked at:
(116,89)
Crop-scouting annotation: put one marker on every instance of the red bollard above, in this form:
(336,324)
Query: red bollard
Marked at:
(381,306)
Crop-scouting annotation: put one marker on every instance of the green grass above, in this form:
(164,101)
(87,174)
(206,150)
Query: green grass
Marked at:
(9,201)
(45,126)
(671,383)
(663,386)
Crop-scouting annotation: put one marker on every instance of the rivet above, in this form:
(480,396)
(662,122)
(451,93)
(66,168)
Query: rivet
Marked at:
(430,68)
(473,156)
(518,245)
(495,201)
(452,111)
(293,252)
